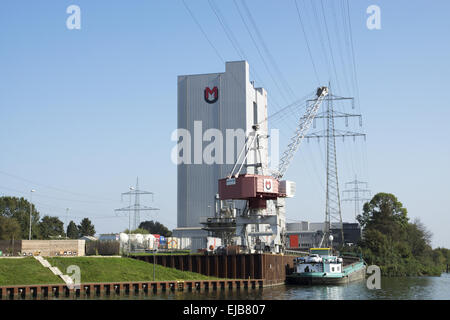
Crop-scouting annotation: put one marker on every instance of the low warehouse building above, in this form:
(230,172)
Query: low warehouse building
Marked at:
(53,247)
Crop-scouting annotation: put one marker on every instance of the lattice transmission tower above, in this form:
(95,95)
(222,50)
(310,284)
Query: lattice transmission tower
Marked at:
(359,194)
(137,207)
(333,213)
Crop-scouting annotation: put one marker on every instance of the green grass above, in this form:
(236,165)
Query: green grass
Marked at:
(25,271)
(98,269)
(167,253)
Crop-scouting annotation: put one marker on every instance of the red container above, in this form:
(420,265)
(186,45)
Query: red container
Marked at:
(248,186)
(293,241)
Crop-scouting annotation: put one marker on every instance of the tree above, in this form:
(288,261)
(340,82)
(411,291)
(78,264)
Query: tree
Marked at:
(385,214)
(419,238)
(154,227)
(9,228)
(398,247)
(86,228)
(51,227)
(138,230)
(19,209)
(72,231)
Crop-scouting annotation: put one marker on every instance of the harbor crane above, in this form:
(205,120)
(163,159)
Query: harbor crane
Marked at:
(263,216)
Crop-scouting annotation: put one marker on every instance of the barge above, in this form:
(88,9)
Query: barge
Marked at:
(321,267)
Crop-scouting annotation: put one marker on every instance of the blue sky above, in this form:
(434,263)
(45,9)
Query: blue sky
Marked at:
(84,112)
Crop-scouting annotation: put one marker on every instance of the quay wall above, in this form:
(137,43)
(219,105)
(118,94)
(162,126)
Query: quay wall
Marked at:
(272,268)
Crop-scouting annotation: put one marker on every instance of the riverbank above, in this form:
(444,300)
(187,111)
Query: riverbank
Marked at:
(22,271)
(401,288)
(28,271)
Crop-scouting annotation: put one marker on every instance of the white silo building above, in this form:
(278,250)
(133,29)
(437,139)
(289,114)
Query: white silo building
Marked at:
(225,101)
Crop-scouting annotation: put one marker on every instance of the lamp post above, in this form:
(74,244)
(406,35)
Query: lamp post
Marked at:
(155,248)
(331,238)
(31,209)
(67,222)
(129,224)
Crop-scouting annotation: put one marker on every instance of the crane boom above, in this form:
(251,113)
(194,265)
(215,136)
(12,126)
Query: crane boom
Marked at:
(264,194)
(303,126)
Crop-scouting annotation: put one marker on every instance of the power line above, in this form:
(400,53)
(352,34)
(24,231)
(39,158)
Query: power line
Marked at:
(353,51)
(51,187)
(203,31)
(235,43)
(329,45)
(266,49)
(53,198)
(320,37)
(259,52)
(346,30)
(307,42)
(210,42)
(41,204)
(338,41)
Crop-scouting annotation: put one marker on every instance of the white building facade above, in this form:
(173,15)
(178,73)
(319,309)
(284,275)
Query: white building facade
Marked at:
(208,104)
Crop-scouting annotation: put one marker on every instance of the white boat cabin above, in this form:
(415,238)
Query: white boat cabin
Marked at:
(319,260)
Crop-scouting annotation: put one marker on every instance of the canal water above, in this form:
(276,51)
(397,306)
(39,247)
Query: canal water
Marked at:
(422,288)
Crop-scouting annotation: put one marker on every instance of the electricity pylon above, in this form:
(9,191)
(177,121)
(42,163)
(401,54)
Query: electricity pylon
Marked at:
(358,194)
(333,211)
(137,207)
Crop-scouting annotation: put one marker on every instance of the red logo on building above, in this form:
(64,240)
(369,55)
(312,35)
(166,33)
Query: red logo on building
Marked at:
(211,95)
(268,185)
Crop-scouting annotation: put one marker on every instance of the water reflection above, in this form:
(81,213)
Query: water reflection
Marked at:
(421,288)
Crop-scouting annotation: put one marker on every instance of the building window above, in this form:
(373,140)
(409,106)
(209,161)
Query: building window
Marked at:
(255,113)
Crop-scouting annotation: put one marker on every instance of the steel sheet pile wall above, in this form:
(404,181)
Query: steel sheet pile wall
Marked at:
(270,267)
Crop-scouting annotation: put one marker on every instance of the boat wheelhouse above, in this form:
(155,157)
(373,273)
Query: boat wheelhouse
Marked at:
(322,267)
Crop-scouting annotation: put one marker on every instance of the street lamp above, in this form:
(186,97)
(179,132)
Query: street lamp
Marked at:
(67,221)
(129,223)
(31,209)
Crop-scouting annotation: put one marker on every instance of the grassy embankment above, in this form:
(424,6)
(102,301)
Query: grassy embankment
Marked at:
(23,271)
(122,269)
(27,271)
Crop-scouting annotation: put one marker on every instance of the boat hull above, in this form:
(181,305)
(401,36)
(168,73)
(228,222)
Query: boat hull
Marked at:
(354,272)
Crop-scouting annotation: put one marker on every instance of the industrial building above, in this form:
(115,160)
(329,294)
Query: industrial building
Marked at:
(225,103)
(304,235)
(48,248)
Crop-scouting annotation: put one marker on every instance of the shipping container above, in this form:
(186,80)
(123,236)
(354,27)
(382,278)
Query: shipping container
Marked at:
(185,243)
(173,243)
